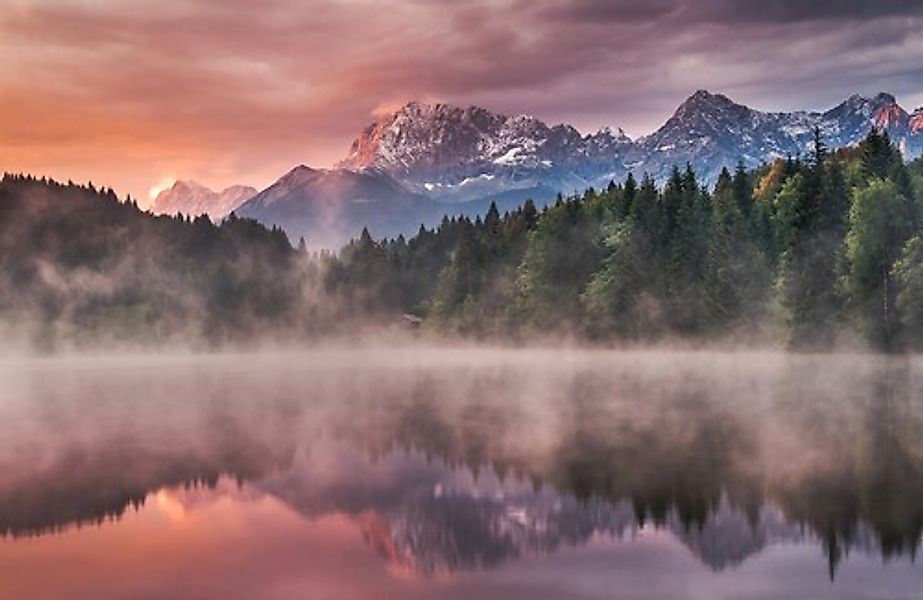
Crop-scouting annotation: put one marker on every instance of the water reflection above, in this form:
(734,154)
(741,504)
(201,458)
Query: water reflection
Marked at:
(461,462)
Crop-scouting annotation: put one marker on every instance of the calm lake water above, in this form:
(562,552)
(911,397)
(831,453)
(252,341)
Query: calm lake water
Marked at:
(461,474)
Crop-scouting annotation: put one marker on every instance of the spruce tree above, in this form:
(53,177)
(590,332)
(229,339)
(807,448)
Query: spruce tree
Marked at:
(881,222)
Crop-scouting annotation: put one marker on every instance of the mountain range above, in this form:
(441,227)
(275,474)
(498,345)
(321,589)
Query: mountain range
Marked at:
(192,198)
(424,161)
(329,206)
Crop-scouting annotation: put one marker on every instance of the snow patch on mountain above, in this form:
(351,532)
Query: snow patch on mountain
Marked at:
(426,160)
(193,199)
(438,149)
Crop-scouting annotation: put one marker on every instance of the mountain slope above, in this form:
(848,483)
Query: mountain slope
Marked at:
(452,153)
(426,160)
(194,199)
(78,266)
(710,131)
(329,206)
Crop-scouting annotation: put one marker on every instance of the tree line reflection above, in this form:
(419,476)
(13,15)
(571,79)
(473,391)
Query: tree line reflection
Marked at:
(461,467)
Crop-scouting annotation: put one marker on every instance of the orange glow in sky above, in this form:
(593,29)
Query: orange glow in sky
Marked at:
(127,93)
(212,544)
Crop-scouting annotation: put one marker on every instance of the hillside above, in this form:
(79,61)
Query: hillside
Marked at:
(77,265)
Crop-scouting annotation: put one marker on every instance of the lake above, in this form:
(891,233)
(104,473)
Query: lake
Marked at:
(461,473)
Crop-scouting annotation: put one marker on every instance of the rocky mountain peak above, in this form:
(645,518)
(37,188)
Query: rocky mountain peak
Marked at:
(701,115)
(890,117)
(185,186)
(454,151)
(608,132)
(191,198)
(705,101)
(862,107)
(703,96)
(424,160)
(299,171)
(915,122)
(883,98)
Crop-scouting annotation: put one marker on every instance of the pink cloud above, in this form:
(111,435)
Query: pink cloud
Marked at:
(238,91)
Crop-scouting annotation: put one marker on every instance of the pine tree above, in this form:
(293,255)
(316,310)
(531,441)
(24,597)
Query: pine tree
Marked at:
(908,273)
(878,155)
(529,214)
(688,247)
(743,192)
(809,216)
(611,298)
(736,272)
(629,191)
(880,225)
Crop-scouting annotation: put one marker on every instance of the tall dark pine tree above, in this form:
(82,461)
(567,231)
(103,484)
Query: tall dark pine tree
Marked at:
(883,217)
(878,155)
(687,245)
(629,191)
(810,217)
(743,191)
(529,214)
(736,274)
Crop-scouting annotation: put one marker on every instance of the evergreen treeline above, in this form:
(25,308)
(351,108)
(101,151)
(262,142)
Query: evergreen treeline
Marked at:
(806,248)
(77,264)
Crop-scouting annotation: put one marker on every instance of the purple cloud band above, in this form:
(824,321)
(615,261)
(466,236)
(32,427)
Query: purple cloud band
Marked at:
(238,91)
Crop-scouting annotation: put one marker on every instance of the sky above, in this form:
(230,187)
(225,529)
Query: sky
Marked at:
(133,94)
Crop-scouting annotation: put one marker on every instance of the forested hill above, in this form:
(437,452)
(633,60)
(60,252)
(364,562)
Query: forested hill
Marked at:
(806,252)
(79,265)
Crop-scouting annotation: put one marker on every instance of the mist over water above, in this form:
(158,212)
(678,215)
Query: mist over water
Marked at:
(460,472)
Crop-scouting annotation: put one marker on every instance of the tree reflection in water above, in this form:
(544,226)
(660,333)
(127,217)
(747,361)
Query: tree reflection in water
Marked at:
(464,461)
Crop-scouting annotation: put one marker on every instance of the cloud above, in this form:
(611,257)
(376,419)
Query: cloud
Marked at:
(606,11)
(237,91)
(789,11)
(723,11)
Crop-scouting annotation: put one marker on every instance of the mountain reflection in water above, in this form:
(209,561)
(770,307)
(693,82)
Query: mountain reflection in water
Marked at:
(451,468)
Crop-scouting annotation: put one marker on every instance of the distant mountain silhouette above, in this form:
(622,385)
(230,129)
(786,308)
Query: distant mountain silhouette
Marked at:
(424,161)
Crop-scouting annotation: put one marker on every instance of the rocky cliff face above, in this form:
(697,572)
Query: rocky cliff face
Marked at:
(452,152)
(427,160)
(456,153)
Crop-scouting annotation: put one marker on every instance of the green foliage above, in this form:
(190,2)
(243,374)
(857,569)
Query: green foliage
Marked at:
(77,263)
(908,272)
(737,273)
(881,221)
(638,262)
(559,260)
(828,240)
(618,297)
(809,219)
(687,240)
(879,156)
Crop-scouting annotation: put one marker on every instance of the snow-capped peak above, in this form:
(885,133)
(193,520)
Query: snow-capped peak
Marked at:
(433,148)
(915,122)
(191,198)
(442,145)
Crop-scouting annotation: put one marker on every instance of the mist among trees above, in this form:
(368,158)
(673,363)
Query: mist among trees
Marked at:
(805,251)
(809,252)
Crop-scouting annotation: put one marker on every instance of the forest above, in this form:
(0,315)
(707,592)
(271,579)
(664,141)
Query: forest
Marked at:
(81,267)
(807,252)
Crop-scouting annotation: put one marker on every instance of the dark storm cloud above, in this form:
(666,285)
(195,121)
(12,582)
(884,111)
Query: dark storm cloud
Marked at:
(789,11)
(725,11)
(596,11)
(239,91)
